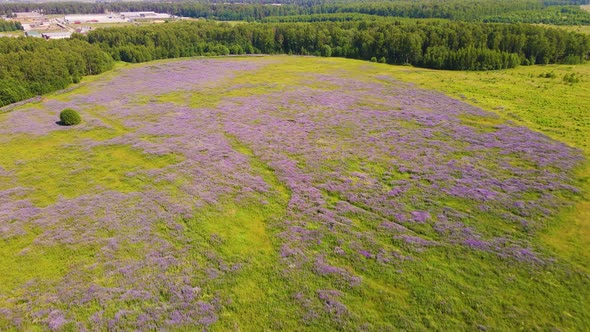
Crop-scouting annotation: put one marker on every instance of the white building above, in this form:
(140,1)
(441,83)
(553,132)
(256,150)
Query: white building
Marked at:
(96,18)
(144,15)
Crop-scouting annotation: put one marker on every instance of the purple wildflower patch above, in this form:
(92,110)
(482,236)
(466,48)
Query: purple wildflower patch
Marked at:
(364,184)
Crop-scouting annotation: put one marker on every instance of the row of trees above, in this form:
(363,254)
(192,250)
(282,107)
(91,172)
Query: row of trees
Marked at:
(432,44)
(558,15)
(32,66)
(535,11)
(10,26)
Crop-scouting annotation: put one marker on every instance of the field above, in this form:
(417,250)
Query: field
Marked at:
(299,193)
(583,29)
(549,105)
(13,34)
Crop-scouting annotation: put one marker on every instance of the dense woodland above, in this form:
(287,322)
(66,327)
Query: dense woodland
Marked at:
(529,11)
(431,44)
(559,15)
(32,66)
(9,26)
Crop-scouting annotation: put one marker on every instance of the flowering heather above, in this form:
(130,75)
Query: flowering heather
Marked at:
(215,194)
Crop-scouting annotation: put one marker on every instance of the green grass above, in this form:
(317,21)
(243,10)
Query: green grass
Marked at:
(245,84)
(12,34)
(584,29)
(242,235)
(37,263)
(548,105)
(60,165)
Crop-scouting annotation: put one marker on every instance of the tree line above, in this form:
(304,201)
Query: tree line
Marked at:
(9,26)
(33,66)
(558,15)
(531,11)
(30,66)
(431,44)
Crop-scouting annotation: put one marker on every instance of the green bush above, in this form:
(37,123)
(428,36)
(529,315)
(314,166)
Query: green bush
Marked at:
(69,117)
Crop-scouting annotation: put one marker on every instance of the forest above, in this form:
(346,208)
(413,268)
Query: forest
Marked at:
(508,11)
(430,44)
(32,66)
(343,29)
(9,25)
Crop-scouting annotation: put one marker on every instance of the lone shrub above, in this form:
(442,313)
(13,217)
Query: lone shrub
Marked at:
(69,117)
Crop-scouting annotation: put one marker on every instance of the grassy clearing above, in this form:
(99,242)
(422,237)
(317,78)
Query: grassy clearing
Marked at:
(60,165)
(241,231)
(294,72)
(471,290)
(12,34)
(528,97)
(37,263)
(522,95)
(584,29)
(549,105)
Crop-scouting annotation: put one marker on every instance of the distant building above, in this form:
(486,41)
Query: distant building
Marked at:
(98,18)
(142,15)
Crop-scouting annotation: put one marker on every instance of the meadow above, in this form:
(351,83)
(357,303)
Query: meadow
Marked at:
(539,98)
(299,193)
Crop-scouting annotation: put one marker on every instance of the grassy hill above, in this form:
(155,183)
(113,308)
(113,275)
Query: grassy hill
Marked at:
(298,193)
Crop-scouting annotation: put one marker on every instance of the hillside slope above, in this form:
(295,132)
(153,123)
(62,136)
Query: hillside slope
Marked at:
(291,193)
